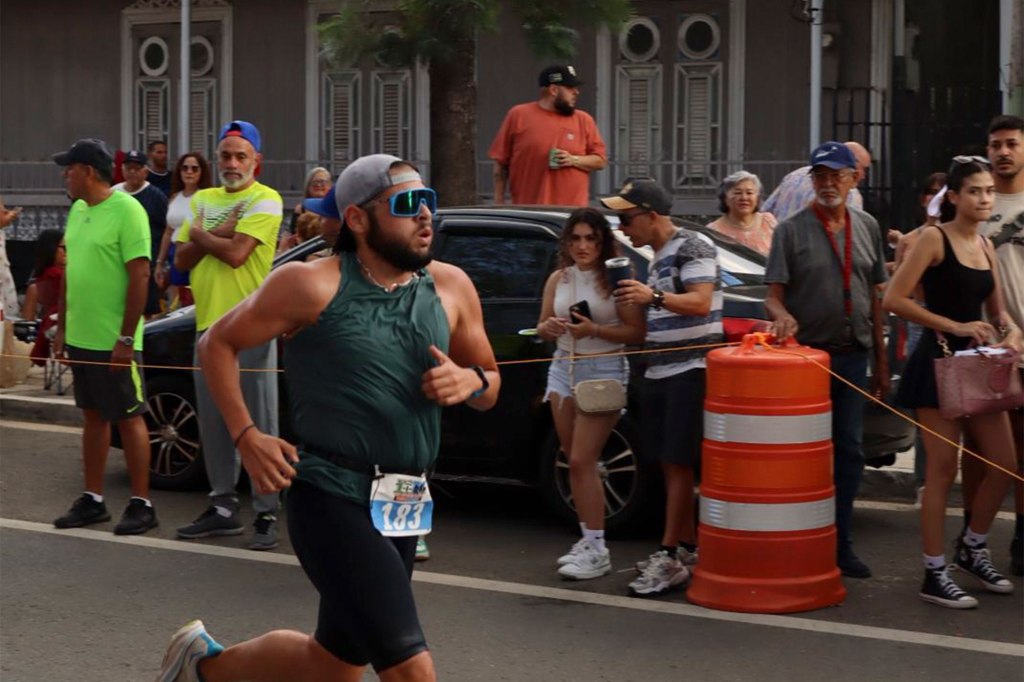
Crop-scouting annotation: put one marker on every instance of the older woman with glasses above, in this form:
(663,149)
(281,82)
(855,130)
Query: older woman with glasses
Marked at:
(739,197)
(191,174)
(318,184)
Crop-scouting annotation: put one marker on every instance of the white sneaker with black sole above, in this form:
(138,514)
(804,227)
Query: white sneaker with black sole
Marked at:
(938,588)
(589,562)
(977,561)
(685,556)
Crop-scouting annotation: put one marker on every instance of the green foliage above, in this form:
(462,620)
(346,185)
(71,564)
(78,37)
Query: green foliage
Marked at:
(434,30)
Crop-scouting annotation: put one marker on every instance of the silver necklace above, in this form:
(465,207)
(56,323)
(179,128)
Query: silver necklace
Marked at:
(389,288)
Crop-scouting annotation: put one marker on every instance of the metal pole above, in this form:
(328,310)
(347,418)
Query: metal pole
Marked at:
(185,80)
(815,127)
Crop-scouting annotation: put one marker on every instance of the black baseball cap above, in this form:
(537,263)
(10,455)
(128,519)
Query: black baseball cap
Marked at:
(645,193)
(135,156)
(559,75)
(89,151)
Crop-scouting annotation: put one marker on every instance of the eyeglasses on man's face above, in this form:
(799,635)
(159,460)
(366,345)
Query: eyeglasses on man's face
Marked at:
(822,176)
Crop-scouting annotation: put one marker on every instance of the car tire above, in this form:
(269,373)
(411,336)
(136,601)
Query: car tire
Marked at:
(176,456)
(631,486)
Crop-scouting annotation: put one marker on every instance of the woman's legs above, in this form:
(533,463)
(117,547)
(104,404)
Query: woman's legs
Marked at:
(279,655)
(940,473)
(590,433)
(992,434)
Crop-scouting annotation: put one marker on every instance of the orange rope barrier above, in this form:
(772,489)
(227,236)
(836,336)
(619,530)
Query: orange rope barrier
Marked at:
(761,337)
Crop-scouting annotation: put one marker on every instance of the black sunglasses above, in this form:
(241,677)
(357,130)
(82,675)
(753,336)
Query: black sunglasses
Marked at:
(626,218)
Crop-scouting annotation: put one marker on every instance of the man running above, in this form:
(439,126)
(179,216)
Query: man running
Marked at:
(369,332)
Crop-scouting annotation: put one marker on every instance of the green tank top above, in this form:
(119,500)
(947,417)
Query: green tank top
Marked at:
(354,381)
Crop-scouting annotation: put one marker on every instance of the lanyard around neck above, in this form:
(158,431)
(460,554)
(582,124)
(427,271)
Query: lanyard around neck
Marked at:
(845,264)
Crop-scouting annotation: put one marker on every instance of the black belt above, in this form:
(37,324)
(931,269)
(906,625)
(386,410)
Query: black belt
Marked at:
(359,466)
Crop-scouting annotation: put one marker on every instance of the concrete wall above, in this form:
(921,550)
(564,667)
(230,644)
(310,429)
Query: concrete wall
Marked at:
(777,77)
(61,83)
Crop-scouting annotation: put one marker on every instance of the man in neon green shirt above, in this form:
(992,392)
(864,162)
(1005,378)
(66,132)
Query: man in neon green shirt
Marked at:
(229,248)
(99,325)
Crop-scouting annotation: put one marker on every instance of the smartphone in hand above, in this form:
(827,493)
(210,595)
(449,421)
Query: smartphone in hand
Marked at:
(580,308)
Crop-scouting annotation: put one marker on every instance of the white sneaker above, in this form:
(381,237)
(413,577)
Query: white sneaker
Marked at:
(662,573)
(589,562)
(188,646)
(686,557)
(570,556)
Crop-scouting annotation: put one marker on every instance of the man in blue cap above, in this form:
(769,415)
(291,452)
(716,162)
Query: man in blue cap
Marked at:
(229,248)
(824,268)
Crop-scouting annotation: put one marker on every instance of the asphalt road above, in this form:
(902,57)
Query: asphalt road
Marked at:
(85,605)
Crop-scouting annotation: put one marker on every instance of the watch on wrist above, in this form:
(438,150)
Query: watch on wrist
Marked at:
(483,377)
(657,299)
(126,340)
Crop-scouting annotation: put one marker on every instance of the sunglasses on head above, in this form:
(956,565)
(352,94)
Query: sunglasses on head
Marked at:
(971,159)
(407,204)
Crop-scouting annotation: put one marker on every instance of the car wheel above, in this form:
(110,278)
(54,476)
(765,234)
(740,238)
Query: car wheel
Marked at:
(628,483)
(176,455)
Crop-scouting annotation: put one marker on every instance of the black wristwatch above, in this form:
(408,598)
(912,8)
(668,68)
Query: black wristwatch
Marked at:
(483,377)
(657,298)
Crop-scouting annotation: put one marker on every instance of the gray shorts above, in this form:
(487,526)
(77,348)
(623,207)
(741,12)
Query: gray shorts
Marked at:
(585,369)
(116,394)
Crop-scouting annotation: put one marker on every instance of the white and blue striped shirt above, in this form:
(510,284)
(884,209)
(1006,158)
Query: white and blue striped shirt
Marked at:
(686,259)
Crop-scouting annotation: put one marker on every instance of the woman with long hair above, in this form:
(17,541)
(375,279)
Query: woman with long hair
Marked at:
(958,271)
(739,198)
(586,243)
(191,174)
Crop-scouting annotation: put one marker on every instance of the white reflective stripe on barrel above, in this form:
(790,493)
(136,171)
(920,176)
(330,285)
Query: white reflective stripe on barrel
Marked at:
(767,430)
(767,517)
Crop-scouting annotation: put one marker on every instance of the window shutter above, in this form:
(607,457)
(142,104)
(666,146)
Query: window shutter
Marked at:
(152,112)
(392,93)
(698,134)
(638,125)
(341,116)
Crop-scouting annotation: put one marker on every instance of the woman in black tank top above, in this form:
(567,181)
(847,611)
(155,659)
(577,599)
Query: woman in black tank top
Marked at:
(957,269)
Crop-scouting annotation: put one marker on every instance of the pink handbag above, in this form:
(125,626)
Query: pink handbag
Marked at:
(976,384)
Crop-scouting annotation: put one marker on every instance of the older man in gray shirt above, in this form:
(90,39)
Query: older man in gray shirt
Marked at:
(823,271)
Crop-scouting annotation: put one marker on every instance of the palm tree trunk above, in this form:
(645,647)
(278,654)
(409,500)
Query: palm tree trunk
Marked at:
(453,127)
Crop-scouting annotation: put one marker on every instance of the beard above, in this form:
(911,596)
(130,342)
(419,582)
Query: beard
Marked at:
(829,202)
(240,182)
(563,107)
(394,253)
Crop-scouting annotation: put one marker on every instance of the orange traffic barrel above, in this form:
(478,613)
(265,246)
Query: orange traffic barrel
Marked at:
(767,503)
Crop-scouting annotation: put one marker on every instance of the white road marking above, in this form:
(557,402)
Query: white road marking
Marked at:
(39,426)
(524,590)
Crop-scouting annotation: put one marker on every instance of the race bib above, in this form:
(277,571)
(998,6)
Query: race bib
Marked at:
(401,506)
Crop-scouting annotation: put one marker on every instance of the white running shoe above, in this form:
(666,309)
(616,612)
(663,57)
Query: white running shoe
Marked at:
(686,557)
(188,646)
(589,562)
(662,573)
(568,557)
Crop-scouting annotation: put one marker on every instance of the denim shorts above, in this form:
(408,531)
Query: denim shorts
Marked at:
(585,369)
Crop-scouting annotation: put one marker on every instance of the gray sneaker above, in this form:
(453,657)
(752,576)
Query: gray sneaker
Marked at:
(264,534)
(211,523)
(189,645)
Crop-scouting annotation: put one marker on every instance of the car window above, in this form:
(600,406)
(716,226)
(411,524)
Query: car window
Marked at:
(501,265)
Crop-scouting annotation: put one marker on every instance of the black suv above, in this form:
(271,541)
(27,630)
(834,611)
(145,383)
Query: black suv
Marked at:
(508,252)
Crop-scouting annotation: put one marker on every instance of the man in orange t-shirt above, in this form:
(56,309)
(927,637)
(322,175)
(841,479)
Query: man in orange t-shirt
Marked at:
(546,150)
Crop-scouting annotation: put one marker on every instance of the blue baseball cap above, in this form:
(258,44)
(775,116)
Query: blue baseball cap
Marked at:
(325,206)
(834,155)
(242,129)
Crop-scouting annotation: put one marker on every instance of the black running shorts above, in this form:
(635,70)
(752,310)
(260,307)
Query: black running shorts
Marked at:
(116,394)
(671,417)
(367,613)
